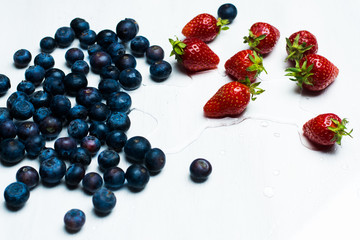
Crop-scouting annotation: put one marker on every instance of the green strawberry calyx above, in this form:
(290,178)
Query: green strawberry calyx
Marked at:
(254,40)
(295,49)
(178,48)
(257,64)
(339,130)
(222,24)
(301,74)
(253,87)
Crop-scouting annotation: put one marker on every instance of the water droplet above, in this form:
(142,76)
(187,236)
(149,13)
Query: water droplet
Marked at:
(264,123)
(277,135)
(269,192)
(276,172)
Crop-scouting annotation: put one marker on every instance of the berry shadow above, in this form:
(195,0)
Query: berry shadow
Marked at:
(197,180)
(70,231)
(100,214)
(11,208)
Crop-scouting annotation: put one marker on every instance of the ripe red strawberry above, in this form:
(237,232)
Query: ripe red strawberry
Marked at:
(245,63)
(194,54)
(205,27)
(231,99)
(262,37)
(326,129)
(313,72)
(300,44)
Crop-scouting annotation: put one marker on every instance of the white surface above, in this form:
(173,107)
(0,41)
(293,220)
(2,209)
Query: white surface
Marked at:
(266,183)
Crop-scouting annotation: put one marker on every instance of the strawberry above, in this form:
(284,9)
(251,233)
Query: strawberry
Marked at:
(205,27)
(262,37)
(245,63)
(326,129)
(313,72)
(231,99)
(194,54)
(300,44)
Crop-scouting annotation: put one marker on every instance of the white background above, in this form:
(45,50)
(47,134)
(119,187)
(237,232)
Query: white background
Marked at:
(267,183)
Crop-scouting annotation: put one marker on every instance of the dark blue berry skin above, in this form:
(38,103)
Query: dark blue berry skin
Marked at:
(41,113)
(26,86)
(200,169)
(34,145)
(79,25)
(64,147)
(116,140)
(125,61)
(27,129)
(54,86)
(74,220)
(130,79)
(106,37)
(136,148)
(22,58)
(139,45)
(136,24)
(107,159)
(80,67)
(40,99)
(227,11)
(104,201)
(55,72)
(119,101)
(44,60)
(74,174)
(22,110)
(118,121)
(155,160)
(87,38)
(8,129)
(99,130)
(154,53)
(77,128)
(12,151)
(47,44)
(60,105)
(91,143)
(52,170)
(110,71)
(4,84)
(28,175)
(126,30)
(80,155)
(94,48)
(137,176)
(108,86)
(99,112)
(88,96)
(92,182)
(99,60)
(64,36)
(159,71)
(35,74)
(115,50)
(73,82)
(15,96)
(114,178)
(72,55)
(4,114)
(77,112)
(50,127)
(47,153)
(16,195)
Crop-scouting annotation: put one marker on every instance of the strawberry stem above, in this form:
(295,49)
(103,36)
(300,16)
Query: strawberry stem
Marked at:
(295,50)
(222,24)
(301,74)
(339,130)
(253,87)
(257,64)
(178,48)
(254,40)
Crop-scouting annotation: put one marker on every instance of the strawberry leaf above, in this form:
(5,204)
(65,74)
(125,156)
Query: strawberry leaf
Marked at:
(339,130)
(295,50)
(178,48)
(301,74)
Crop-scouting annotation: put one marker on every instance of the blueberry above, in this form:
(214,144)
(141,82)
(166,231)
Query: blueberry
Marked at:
(15,96)
(60,105)
(74,174)
(130,79)
(47,44)
(227,11)
(79,25)
(77,112)
(27,129)
(40,114)
(87,38)
(115,50)
(54,86)
(107,159)
(106,37)
(119,101)
(34,145)
(92,182)
(200,169)
(160,71)
(50,127)
(44,60)
(78,128)
(118,121)
(99,130)
(136,148)
(11,151)
(26,86)
(80,155)
(125,61)
(64,146)
(28,175)
(99,60)
(22,58)
(22,110)
(4,84)
(91,143)
(35,74)
(88,96)
(73,82)
(139,45)
(16,195)
(40,99)
(154,53)
(47,153)
(74,220)
(108,86)
(155,160)
(110,71)
(4,114)
(116,140)
(52,170)
(114,178)
(104,201)
(137,176)
(99,112)
(55,72)
(94,48)
(80,67)
(72,55)
(8,129)
(127,29)
(64,36)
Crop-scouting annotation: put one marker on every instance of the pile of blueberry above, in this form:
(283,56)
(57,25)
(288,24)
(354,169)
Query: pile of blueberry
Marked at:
(100,117)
